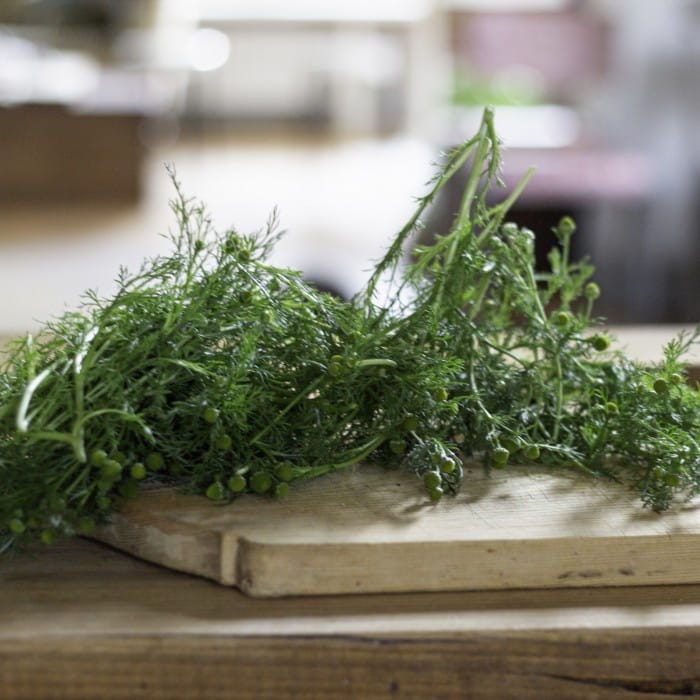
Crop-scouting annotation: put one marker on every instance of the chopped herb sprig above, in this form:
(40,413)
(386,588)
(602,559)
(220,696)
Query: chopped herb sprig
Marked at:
(217,372)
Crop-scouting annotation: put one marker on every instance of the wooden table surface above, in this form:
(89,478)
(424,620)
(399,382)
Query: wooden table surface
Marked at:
(81,620)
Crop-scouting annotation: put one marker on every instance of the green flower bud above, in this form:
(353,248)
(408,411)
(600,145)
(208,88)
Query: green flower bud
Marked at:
(410,422)
(155,461)
(260,482)
(210,414)
(111,470)
(591,291)
(335,369)
(447,465)
(563,319)
(97,458)
(431,480)
(440,395)
(224,442)
(565,227)
(285,471)
(216,491)
(512,444)
(436,494)
(532,452)
(397,446)
(660,386)
(138,471)
(499,457)
(600,342)
(237,483)
(16,526)
(282,489)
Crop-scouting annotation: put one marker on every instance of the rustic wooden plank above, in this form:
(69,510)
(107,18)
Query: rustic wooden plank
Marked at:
(554,665)
(369,530)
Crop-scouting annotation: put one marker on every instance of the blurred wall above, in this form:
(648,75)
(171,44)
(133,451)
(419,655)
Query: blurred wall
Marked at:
(650,100)
(601,96)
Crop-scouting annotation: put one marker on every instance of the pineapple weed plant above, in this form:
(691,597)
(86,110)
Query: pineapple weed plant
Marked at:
(215,371)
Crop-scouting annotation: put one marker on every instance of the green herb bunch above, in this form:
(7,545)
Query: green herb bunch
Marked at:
(215,371)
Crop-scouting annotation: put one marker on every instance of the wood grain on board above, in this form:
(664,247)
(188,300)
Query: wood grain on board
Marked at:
(372,530)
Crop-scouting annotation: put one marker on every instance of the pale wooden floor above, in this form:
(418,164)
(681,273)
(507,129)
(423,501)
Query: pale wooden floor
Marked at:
(340,202)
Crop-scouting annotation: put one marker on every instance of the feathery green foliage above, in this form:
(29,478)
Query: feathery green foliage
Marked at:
(213,370)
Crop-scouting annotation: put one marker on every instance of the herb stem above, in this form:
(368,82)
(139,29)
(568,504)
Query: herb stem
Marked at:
(376,362)
(346,460)
(22,421)
(299,396)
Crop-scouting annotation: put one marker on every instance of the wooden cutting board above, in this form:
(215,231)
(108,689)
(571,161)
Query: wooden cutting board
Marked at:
(371,530)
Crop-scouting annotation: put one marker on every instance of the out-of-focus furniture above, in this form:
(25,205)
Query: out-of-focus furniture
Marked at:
(78,98)
(52,154)
(565,50)
(359,67)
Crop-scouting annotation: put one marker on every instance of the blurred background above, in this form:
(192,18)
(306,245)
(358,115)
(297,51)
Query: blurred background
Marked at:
(333,112)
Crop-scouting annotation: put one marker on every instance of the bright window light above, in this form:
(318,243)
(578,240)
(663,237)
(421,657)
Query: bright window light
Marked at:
(535,126)
(208,49)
